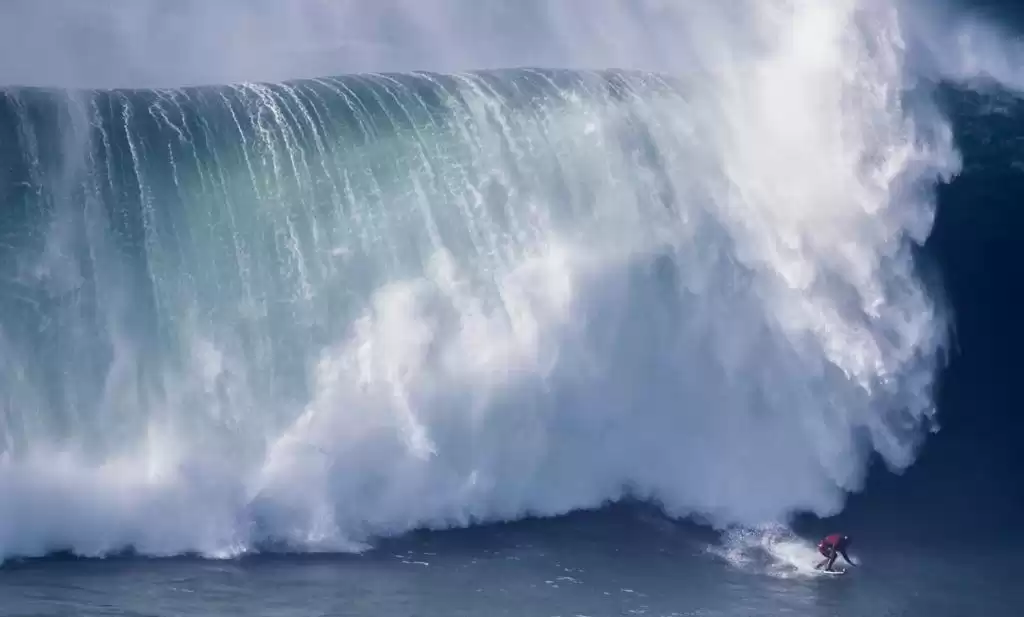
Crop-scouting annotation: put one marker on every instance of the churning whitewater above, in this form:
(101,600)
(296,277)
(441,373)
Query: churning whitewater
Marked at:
(311,313)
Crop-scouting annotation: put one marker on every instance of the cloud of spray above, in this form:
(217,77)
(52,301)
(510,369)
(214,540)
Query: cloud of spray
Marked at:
(736,353)
(971,49)
(178,42)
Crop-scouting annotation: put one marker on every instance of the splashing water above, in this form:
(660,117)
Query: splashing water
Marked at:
(772,549)
(317,312)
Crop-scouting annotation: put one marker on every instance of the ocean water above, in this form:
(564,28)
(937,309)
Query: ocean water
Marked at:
(510,312)
(615,562)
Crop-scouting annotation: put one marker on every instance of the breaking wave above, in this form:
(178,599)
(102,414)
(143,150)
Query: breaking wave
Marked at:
(316,312)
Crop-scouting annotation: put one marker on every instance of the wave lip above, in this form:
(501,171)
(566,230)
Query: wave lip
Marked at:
(317,312)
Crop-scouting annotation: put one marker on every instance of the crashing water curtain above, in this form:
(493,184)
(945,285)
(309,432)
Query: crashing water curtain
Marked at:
(317,311)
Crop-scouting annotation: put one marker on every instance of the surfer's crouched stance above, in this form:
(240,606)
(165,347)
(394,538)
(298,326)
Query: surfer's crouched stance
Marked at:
(832,546)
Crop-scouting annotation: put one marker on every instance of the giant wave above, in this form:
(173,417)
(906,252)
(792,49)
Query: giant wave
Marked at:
(316,312)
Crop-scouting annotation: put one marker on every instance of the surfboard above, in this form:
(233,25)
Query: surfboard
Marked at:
(836,572)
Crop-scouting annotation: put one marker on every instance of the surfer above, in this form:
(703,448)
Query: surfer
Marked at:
(832,546)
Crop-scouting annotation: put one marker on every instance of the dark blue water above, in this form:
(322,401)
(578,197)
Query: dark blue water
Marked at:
(617,562)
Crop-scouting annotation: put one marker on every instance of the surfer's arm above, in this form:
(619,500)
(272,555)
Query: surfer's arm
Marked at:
(847,558)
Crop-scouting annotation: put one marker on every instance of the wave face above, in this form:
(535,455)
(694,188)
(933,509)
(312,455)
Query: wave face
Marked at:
(315,312)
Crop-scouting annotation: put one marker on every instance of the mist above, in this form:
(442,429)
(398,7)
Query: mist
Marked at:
(162,43)
(167,43)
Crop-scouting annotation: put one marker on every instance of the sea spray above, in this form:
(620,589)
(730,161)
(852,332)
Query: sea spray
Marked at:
(319,311)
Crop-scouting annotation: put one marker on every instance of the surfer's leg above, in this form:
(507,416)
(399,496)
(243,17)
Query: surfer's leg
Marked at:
(831,560)
(824,553)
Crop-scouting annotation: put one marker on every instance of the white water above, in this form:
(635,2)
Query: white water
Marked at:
(737,357)
(776,551)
